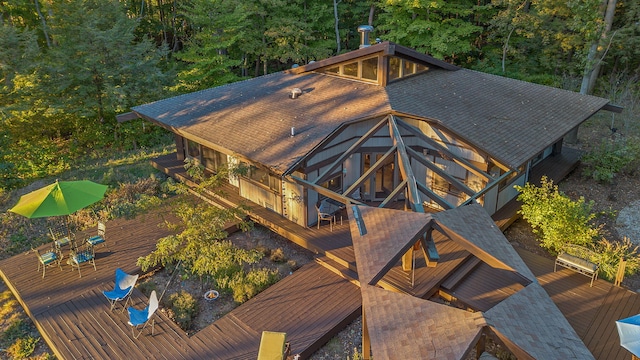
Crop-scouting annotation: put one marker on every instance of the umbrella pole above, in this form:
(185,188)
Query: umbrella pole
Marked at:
(71,238)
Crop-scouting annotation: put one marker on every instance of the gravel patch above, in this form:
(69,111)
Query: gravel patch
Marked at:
(628,222)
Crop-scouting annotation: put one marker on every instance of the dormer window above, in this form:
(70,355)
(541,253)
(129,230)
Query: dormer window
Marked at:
(363,69)
(399,68)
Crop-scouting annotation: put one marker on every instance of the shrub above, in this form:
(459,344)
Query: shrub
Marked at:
(147,287)
(608,159)
(244,286)
(23,347)
(264,250)
(184,308)
(277,256)
(609,254)
(16,330)
(554,217)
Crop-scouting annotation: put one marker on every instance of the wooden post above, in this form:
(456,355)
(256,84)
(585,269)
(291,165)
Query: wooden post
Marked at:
(366,345)
(621,269)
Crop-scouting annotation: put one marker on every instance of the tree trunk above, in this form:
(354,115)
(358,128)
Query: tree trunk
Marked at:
(44,23)
(505,47)
(335,15)
(592,69)
(372,9)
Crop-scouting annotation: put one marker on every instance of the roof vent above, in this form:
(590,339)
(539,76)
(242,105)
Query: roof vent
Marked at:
(364,31)
(295,93)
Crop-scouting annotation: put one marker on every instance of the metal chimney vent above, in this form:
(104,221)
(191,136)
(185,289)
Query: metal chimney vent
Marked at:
(364,31)
(295,93)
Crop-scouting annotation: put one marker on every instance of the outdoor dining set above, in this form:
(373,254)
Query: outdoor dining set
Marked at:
(78,252)
(63,198)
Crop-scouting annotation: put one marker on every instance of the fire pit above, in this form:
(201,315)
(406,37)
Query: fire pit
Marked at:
(211,295)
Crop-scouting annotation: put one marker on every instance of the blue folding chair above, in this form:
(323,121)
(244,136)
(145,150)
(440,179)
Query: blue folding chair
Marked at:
(144,316)
(122,289)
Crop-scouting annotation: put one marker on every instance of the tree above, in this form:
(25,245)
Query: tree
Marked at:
(555,217)
(218,27)
(201,247)
(592,67)
(440,28)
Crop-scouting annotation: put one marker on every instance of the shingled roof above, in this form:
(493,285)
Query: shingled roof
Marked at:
(511,120)
(402,326)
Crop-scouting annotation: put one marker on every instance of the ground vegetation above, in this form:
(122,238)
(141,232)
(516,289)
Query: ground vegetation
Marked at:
(68,68)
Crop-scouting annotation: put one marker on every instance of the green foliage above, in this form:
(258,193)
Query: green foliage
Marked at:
(184,308)
(610,253)
(16,330)
(610,158)
(356,355)
(23,347)
(201,246)
(554,217)
(277,256)
(441,28)
(244,286)
(147,287)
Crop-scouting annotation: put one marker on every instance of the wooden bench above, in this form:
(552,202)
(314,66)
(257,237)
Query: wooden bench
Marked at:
(578,259)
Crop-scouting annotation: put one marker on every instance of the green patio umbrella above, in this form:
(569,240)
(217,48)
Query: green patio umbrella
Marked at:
(59,198)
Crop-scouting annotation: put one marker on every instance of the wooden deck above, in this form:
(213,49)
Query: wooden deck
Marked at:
(74,318)
(73,315)
(591,311)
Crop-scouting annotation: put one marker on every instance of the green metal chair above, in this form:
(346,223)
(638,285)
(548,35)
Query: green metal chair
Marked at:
(50,258)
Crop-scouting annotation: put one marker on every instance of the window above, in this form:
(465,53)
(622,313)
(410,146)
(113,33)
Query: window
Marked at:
(394,68)
(262,176)
(370,69)
(350,69)
(408,68)
(212,159)
(334,184)
(366,69)
(193,149)
(399,68)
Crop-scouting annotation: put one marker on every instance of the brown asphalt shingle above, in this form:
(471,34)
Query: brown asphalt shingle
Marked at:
(509,119)
(405,327)
(473,223)
(254,117)
(401,326)
(532,321)
(388,232)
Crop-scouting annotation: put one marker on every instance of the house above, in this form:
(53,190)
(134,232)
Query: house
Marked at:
(383,124)
(387,126)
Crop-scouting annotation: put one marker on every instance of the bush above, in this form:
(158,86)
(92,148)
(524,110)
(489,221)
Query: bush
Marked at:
(244,286)
(16,330)
(23,347)
(611,157)
(555,218)
(609,254)
(277,256)
(264,250)
(184,308)
(147,287)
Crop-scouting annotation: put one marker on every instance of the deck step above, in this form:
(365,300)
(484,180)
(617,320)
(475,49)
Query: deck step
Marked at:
(459,274)
(343,263)
(338,269)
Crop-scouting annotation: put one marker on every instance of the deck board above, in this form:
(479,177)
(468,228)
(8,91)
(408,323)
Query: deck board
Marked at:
(75,320)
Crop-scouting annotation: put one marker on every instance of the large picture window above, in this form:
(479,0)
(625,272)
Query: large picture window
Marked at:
(212,159)
(262,176)
(193,149)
